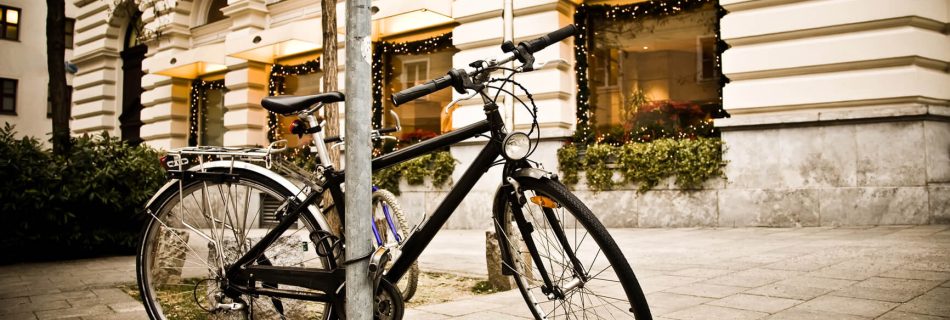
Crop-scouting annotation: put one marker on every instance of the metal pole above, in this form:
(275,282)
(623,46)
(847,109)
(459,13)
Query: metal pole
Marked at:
(359,287)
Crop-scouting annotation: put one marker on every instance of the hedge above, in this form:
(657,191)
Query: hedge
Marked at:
(88,202)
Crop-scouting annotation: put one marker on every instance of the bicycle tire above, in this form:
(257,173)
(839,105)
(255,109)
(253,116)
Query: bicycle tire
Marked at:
(571,216)
(410,281)
(159,248)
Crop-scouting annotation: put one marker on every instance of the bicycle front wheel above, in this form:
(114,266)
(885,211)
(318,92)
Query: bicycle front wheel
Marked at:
(199,228)
(563,260)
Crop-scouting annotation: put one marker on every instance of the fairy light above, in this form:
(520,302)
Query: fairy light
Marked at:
(276,86)
(584,18)
(198,107)
(382,68)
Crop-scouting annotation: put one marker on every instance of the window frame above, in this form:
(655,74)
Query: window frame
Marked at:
(3,95)
(69,30)
(700,61)
(3,22)
(417,60)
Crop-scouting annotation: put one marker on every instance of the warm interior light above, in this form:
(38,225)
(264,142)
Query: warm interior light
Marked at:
(292,47)
(413,20)
(13,16)
(268,53)
(645,47)
(192,70)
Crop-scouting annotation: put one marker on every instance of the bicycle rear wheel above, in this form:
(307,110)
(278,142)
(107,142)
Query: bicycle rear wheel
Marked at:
(200,228)
(589,276)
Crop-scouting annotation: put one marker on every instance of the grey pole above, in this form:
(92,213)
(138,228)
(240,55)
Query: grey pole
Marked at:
(359,287)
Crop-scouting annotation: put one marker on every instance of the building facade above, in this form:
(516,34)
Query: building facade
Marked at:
(23,71)
(838,109)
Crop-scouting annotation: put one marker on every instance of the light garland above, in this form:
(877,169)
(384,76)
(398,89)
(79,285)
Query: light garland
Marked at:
(276,87)
(199,107)
(584,18)
(382,68)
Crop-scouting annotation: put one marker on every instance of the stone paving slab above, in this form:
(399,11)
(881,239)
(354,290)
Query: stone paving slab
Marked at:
(892,272)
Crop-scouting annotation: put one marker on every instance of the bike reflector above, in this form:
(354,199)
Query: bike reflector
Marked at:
(544,202)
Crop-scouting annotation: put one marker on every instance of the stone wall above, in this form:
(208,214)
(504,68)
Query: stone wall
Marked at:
(836,174)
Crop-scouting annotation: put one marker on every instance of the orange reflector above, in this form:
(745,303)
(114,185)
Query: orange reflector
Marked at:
(544,202)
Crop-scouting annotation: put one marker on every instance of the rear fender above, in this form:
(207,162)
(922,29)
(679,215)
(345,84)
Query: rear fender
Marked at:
(284,182)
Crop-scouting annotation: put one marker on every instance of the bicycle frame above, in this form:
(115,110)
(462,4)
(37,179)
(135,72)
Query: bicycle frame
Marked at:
(245,276)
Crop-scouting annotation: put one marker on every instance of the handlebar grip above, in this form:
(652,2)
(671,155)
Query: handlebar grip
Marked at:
(421,90)
(332,139)
(386,130)
(550,38)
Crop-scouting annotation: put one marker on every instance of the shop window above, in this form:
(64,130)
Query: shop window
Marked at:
(9,23)
(299,85)
(207,113)
(8,96)
(654,77)
(422,118)
(212,126)
(70,27)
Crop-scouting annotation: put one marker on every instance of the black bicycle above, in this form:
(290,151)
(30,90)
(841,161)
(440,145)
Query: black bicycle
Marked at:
(232,239)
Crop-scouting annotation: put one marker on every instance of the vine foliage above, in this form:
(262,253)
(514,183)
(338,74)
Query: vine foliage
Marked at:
(690,161)
(437,166)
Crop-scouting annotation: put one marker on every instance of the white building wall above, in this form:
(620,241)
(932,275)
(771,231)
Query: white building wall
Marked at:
(25,61)
(839,112)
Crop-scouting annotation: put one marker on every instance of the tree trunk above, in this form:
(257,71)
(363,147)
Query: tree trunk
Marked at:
(331,111)
(55,63)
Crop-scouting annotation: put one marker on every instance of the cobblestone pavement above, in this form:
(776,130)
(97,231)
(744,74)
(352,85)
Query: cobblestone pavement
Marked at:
(751,273)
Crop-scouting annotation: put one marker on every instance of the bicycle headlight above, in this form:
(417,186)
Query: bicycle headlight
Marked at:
(516,146)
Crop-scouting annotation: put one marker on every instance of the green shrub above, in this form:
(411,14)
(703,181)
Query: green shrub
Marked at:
(691,161)
(569,161)
(438,166)
(599,175)
(85,203)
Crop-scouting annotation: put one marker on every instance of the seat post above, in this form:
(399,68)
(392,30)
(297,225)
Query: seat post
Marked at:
(318,141)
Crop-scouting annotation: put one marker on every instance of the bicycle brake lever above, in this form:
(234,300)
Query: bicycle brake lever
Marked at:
(471,93)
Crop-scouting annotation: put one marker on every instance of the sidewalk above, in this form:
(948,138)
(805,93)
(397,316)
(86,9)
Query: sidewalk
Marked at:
(753,273)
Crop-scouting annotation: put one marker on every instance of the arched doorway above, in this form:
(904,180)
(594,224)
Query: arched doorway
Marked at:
(133,52)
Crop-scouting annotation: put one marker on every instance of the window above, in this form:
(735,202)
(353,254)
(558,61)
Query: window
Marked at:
(211,127)
(70,26)
(415,72)
(707,58)
(9,23)
(653,77)
(301,84)
(68,102)
(8,96)
(421,118)
(214,11)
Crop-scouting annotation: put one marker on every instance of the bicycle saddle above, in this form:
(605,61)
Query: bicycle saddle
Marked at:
(291,104)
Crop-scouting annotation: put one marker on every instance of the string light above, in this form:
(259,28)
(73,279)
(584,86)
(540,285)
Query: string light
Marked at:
(584,19)
(198,107)
(276,86)
(382,68)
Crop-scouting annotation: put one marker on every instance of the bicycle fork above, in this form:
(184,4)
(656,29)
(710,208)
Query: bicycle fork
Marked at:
(516,199)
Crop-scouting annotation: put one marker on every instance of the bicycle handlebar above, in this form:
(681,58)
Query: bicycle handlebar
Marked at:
(421,90)
(522,52)
(548,39)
